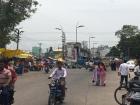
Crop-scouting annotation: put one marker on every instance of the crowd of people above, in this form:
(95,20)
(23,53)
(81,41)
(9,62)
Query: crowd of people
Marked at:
(9,69)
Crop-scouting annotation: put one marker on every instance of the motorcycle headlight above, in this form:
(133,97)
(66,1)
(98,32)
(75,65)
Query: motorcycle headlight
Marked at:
(52,84)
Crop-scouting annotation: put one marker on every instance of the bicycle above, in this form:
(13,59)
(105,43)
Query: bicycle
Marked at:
(121,95)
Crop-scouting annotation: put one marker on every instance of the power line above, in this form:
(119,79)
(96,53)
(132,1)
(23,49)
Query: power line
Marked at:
(70,32)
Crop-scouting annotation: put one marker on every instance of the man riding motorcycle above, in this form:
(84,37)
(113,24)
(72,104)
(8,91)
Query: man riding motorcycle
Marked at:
(60,73)
(5,78)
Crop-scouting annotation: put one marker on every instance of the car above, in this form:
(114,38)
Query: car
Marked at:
(131,65)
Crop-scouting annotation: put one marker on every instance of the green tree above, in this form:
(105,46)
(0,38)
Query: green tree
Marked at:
(114,52)
(12,12)
(129,41)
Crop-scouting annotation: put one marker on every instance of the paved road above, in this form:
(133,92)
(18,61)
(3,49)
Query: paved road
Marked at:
(32,89)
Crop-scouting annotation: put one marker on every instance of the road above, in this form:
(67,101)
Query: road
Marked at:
(32,89)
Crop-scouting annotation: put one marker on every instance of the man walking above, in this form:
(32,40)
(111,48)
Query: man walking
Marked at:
(123,72)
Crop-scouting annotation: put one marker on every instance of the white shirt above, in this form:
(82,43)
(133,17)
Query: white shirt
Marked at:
(87,63)
(57,73)
(137,69)
(124,69)
(90,63)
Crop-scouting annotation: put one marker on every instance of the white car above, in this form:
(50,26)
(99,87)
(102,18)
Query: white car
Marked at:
(131,65)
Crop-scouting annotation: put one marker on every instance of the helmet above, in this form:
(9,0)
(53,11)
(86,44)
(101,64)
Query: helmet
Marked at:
(60,61)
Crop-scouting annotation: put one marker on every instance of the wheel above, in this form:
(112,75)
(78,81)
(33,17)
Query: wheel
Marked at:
(51,100)
(120,95)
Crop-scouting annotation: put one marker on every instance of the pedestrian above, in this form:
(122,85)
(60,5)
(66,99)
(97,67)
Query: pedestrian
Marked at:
(123,73)
(86,65)
(95,75)
(102,71)
(113,65)
(20,68)
(5,78)
(12,82)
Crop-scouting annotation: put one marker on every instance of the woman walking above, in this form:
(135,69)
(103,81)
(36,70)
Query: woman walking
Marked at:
(94,78)
(102,74)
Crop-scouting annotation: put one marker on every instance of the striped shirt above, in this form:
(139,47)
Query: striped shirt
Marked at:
(5,76)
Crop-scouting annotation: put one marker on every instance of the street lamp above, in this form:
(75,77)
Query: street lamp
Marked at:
(78,26)
(93,49)
(63,41)
(89,41)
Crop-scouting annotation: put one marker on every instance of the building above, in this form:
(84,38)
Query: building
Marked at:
(94,52)
(72,51)
(76,52)
(36,51)
(103,50)
(58,53)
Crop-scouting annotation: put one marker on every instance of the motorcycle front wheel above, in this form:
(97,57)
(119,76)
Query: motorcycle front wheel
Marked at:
(51,100)
(120,95)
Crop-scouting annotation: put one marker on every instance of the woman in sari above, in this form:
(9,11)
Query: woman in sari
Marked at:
(102,70)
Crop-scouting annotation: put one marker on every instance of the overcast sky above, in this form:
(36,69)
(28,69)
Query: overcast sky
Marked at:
(101,19)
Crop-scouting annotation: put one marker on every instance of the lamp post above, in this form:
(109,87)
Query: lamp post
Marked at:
(89,46)
(94,50)
(63,41)
(89,41)
(78,26)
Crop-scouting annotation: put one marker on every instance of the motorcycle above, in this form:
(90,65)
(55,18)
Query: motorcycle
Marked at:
(134,90)
(55,92)
(132,96)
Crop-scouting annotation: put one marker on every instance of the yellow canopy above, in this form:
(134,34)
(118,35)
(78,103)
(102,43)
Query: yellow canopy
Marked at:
(2,50)
(14,53)
(11,53)
(25,55)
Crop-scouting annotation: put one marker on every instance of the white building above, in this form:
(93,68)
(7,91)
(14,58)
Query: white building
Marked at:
(103,50)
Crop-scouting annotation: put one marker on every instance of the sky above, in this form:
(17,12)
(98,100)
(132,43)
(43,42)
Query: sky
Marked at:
(101,19)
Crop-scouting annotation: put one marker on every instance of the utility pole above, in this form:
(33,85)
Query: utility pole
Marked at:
(18,32)
(63,41)
(94,50)
(64,44)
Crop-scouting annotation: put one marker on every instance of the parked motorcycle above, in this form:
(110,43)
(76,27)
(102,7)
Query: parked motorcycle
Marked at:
(132,96)
(134,90)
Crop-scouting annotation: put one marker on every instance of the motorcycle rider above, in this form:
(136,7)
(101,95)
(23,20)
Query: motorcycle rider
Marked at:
(60,73)
(5,78)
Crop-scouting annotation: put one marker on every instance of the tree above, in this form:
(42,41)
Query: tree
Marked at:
(129,41)
(12,12)
(114,52)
